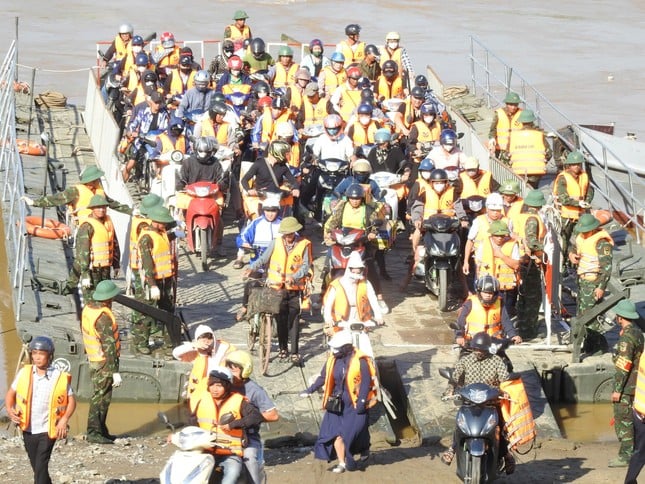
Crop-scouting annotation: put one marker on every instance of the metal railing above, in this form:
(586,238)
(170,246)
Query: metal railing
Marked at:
(493,78)
(11,179)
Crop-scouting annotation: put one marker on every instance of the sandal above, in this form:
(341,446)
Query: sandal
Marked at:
(238,264)
(283,354)
(448,456)
(241,313)
(296,359)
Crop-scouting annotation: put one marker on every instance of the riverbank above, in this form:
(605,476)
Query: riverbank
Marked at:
(141,459)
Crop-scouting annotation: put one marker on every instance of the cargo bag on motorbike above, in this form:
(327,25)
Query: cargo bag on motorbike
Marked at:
(519,426)
(265,300)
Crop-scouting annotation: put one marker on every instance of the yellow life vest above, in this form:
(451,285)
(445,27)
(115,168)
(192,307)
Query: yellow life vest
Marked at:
(269,124)
(387,90)
(102,243)
(483,225)
(514,209)
(314,114)
(519,229)
(352,379)
(480,318)
(427,134)
(639,395)
(170,60)
(161,253)
(137,224)
(283,265)
(363,135)
(177,83)
(439,204)
(122,49)
(353,54)
(198,378)
(349,101)
(168,145)
(470,188)
(589,262)
(353,218)
(294,159)
(333,79)
(285,76)
(228,442)
(296,97)
(340,310)
(238,36)
(58,400)
(527,151)
(495,266)
(576,189)
(79,207)
(519,426)
(91,339)
(395,55)
(208,129)
(231,88)
(505,127)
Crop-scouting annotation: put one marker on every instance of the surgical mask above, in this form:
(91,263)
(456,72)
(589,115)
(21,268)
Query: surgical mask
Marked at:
(362,177)
(364,120)
(438,187)
(235,72)
(425,175)
(393,44)
(228,53)
(202,155)
(448,147)
(262,94)
(356,277)
(141,69)
(428,119)
(136,49)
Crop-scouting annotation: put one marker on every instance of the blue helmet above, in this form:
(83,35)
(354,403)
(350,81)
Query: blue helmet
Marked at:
(428,108)
(142,59)
(382,135)
(337,57)
(448,137)
(137,40)
(426,165)
(355,191)
(365,108)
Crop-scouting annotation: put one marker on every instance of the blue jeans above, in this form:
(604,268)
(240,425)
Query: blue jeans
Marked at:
(231,468)
(254,460)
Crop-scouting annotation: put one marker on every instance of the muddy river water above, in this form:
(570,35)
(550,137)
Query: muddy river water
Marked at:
(582,55)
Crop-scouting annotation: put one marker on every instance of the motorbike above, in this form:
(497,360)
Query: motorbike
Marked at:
(203,218)
(238,101)
(345,241)
(164,185)
(477,432)
(437,260)
(331,172)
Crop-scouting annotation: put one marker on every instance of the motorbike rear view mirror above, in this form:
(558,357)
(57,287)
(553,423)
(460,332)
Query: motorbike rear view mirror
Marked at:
(453,325)
(446,373)
(163,418)
(227,418)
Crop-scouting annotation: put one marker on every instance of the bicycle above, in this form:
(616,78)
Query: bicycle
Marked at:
(263,305)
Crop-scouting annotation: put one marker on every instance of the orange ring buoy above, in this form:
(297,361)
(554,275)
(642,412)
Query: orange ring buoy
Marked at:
(50,229)
(603,216)
(30,148)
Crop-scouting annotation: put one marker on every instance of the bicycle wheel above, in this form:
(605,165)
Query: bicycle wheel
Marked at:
(265,341)
(252,335)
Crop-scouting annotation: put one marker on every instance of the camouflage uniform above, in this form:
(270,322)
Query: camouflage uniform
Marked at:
(81,267)
(530,293)
(626,360)
(139,295)
(145,325)
(594,341)
(569,224)
(70,195)
(101,376)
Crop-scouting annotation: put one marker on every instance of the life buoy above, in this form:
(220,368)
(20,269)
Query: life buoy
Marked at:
(603,216)
(21,87)
(30,148)
(46,228)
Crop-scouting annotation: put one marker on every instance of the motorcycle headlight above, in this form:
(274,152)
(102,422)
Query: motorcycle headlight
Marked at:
(477,396)
(462,424)
(491,423)
(453,250)
(202,192)
(333,165)
(436,251)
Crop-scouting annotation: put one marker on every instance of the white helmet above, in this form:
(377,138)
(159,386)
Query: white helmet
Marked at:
(284,130)
(340,339)
(126,29)
(355,261)
(494,201)
(272,200)
(362,165)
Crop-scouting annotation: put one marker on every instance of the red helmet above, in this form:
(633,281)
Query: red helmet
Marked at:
(167,40)
(235,63)
(265,102)
(354,72)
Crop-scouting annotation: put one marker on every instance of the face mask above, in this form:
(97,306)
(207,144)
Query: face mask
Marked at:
(356,277)
(364,120)
(425,175)
(428,119)
(262,94)
(362,177)
(333,131)
(202,155)
(141,69)
(438,187)
(235,72)
(202,88)
(393,44)
(448,148)
(227,53)
(136,49)
(317,53)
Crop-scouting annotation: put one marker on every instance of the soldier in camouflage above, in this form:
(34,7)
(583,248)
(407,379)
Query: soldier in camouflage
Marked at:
(158,270)
(529,229)
(97,250)
(103,347)
(626,361)
(592,254)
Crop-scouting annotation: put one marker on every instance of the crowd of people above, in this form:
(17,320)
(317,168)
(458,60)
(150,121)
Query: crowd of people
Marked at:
(362,105)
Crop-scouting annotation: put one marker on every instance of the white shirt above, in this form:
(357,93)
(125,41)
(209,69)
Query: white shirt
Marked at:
(349,285)
(341,148)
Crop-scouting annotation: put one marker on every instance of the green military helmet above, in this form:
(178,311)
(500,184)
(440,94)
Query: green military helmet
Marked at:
(626,309)
(526,116)
(499,227)
(510,187)
(97,201)
(160,214)
(90,174)
(148,202)
(512,98)
(574,158)
(285,51)
(535,198)
(289,225)
(240,15)
(105,290)
(587,223)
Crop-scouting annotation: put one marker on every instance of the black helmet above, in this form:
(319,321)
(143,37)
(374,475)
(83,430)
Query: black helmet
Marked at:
(43,343)
(279,103)
(367,95)
(279,149)
(365,108)
(364,83)
(428,108)
(355,191)
(217,108)
(438,175)
(372,49)
(218,97)
(227,46)
(352,29)
(150,77)
(261,86)
(481,341)
(487,283)
(258,47)
(421,81)
(390,68)
(418,92)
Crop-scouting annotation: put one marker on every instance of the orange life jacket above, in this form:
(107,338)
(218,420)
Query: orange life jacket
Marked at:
(349,101)
(340,310)
(480,318)
(395,55)
(58,400)
(505,127)
(427,134)
(208,129)
(79,207)
(228,441)
(283,265)
(161,253)
(269,124)
(170,60)
(495,266)
(198,378)
(168,145)
(333,79)
(576,189)
(363,135)
(136,226)
(314,114)
(589,262)
(91,338)
(177,83)
(102,243)
(519,426)
(238,36)
(519,228)
(436,203)
(389,90)
(285,76)
(353,54)
(352,379)
(470,187)
(639,394)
